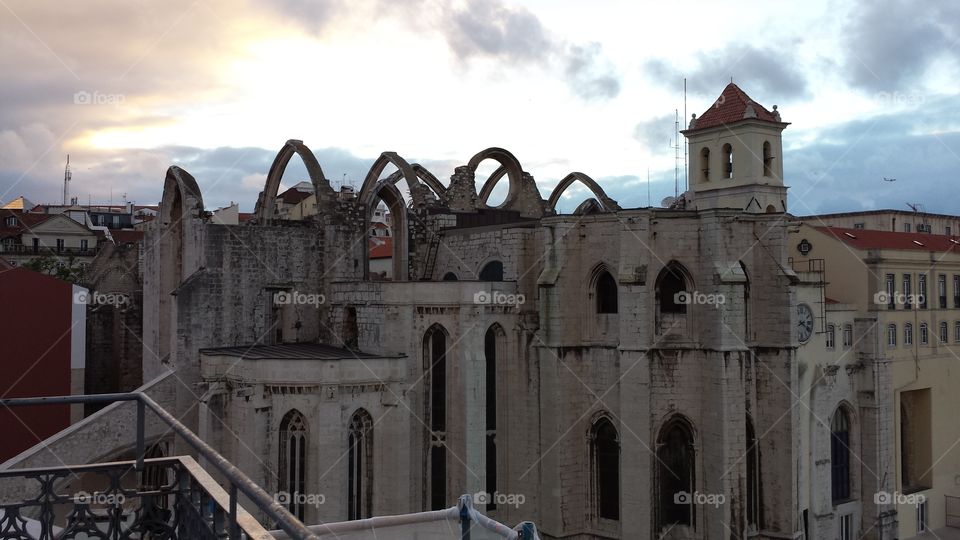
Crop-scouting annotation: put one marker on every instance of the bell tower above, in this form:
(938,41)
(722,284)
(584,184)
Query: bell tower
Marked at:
(736,151)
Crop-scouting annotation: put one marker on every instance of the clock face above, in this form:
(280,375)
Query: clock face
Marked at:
(804,322)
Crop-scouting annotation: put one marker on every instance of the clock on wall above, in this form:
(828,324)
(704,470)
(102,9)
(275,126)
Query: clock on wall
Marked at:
(804,322)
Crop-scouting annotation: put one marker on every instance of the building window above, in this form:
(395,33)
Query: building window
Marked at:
(727,161)
(956,291)
(767,159)
(944,333)
(83,245)
(360,466)
(847,336)
(924,334)
(492,271)
(671,287)
(942,290)
(705,163)
(946,230)
(956,331)
(606,292)
(846,527)
(891,292)
(891,335)
(831,336)
(840,456)
(859,225)
(907,291)
(908,334)
(906,227)
(753,478)
(60,244)
(605,445)
(449,276)
(922,290)
(921,516)
(435,358)
(916,434)
(676,461)
(293,461)
(490,353)
(11,221)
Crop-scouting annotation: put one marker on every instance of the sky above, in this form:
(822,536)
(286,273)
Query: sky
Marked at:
(130,87)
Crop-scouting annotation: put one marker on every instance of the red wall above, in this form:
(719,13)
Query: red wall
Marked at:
(35,320)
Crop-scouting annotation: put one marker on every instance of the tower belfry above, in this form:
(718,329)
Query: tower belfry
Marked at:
(736,151)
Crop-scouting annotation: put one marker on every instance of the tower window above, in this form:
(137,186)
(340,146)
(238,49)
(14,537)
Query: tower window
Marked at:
(705,163)
(360,466)
(492,271)
(676,459)
(727,161)
(490,353)
(831,336)
(435,358)
(767,159)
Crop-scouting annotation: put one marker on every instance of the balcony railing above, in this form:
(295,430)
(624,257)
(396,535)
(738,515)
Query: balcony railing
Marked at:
(20,249)
(185,503)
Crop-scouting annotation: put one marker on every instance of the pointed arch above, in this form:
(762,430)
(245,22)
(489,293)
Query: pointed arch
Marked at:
(841,441)
(493,348)
(385,190)
(436,341)
(604,289)
(429,180)
(509,166)
(672,280)
(369,188)
(605,467)
(608,204)
(676,472)
(292,461)
(360,466)
(268,198)
(588,207)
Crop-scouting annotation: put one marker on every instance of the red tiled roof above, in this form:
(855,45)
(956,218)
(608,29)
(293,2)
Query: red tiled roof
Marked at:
(293,196)
(381,247)
(25,220)
(870,239)
(243,217)
(729,108)
(126,237)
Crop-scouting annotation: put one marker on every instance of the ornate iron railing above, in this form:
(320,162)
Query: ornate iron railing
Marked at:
(199,507)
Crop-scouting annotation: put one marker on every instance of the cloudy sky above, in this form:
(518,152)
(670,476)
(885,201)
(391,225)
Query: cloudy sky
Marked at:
(129,87)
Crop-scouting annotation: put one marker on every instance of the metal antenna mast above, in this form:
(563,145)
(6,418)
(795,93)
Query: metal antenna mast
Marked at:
(67,176)
(686,173)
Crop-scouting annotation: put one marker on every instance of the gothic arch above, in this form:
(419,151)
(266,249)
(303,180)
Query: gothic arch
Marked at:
(179,185)
(608,204)
(369,188)
(587,207)
(386,191)
(429,179)
(676,472)
(509,165)
(268,200)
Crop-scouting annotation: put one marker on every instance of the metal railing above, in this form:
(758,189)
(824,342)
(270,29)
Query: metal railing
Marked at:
(237,482)
(47,250)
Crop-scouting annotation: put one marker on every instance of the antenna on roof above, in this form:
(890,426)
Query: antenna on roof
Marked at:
(916,207)
(686,172)
(67,176)
(648,187)
(676,153)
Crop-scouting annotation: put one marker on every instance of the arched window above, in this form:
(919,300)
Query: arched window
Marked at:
(705,163)
(351,332)
(840,456)
(908,334)
(924,334)
(676,462)
(606,293)
(944,332)
(435,375)
(292,464)
(360,466)
(672,292)
(727,161)
(605,447)
(753,477)
(449,276)
(490,354)
(492,271)
(891,335)
(767,159)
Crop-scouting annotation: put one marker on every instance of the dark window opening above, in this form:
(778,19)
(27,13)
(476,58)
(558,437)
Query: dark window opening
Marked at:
(492,271)
(753,477)
(675,453)
(727,161)
(450,276)
(435,354)
(672,291)
(606,454)
(606,292)
(840,456)
(705,164)
(490,352)
(767,159)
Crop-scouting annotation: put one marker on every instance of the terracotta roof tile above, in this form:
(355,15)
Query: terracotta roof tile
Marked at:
(731,107)
(381,247)
(871,239)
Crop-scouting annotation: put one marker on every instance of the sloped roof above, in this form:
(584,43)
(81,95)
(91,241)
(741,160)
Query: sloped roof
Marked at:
(290,351)
(126,237)
(870,239)
(733,106)
(381,247)
(25,221)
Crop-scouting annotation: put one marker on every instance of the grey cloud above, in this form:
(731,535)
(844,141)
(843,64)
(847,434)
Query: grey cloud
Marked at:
(762,71)
(491,28)
(588,77)
(888,44)
(656,134)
